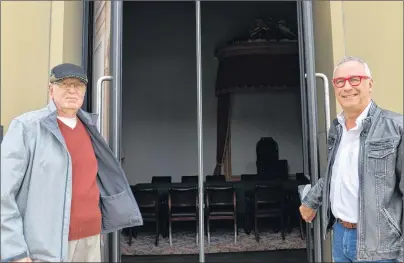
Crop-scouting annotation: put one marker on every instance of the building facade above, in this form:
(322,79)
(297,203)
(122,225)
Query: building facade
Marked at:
(37,35)
(50,32)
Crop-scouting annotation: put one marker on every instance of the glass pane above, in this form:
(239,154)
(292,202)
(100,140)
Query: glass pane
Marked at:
(159,142)
(256,113)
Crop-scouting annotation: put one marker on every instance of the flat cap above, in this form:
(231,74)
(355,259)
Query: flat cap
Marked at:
(67,70)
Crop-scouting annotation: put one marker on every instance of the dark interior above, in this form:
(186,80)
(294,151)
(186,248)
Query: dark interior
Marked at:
(248,48)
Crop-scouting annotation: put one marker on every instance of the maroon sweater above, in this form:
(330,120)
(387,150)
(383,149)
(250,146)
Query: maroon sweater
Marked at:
(85,217)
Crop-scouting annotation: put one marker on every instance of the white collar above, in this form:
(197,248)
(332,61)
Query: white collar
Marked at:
(359,120)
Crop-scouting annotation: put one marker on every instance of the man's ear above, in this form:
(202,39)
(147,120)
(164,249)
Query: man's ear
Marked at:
(370,85)
(50,89)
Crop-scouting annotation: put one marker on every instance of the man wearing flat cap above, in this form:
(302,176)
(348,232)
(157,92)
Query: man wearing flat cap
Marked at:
(61,186)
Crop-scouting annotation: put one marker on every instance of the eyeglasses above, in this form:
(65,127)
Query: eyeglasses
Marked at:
(353,80)
(78,86)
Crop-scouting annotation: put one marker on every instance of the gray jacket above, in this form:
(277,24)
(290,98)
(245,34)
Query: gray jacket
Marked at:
(381,222)
(36,187)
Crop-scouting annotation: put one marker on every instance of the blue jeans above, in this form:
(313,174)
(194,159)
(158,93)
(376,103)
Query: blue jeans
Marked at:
(344,245)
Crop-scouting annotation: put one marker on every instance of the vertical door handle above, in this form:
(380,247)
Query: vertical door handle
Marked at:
(100,99)
(326,100)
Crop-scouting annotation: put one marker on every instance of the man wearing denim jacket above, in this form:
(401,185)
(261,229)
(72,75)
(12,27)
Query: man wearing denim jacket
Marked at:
(361,194)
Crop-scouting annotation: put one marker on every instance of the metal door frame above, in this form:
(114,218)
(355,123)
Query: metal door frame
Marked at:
(304,112)
(112,248)
(116,114)
(201,220)
(309,116)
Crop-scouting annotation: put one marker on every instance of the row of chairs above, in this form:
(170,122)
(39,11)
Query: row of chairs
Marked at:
(189,179)
(181,204)
(279,172)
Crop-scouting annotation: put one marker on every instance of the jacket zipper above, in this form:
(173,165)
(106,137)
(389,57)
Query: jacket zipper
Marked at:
(360,174)
(64,206)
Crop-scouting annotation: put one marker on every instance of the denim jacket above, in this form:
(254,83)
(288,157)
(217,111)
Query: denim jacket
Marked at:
(381,222)
(36,187)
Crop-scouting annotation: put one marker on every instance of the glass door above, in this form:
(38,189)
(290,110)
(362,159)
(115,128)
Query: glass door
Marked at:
(101,94)
(314,99)
(305,118)
(201,220)
(107,74)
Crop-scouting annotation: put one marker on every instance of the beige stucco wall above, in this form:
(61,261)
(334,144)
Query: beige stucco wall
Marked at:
(372,30)
(35,36)
(50,33)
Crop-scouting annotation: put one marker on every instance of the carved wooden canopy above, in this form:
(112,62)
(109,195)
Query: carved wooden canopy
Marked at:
(255,64)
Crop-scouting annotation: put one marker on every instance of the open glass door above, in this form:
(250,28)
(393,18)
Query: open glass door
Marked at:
(201,220)
(305,117)
(115,111)
(314,141)
(100,62)
(107,53)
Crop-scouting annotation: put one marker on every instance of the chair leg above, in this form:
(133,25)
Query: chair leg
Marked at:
(257,237)
(283,228)
(130,235)
(301,228)
(287,213)
(247,227)
(157,233)
(235,229)
(208,228)
(197,232)
(165,227)
(169,232)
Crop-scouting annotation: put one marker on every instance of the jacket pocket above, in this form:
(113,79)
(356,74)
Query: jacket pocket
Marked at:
(118,211)
(389,235)
(381,159)
(391,222)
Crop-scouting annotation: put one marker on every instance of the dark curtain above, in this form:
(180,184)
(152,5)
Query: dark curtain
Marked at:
(223,130)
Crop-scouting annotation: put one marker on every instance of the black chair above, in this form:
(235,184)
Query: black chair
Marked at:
(267,151)
(215,178)
(269,202)
(182,206)
(221,205)
(249,177)
(189,179)
(163,204)
(148,202)
(281,170)
(249,202)
(275,170)
(161,179)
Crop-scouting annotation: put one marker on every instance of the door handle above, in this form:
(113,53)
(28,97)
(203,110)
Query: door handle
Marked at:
(326,100)
(100,99)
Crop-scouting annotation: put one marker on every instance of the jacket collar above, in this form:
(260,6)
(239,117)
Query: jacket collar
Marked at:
(373,110)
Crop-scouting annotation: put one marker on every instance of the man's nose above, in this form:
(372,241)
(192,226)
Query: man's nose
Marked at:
(347,86)
(71,88)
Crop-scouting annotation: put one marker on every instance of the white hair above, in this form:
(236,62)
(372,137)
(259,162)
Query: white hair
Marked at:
(350,58)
